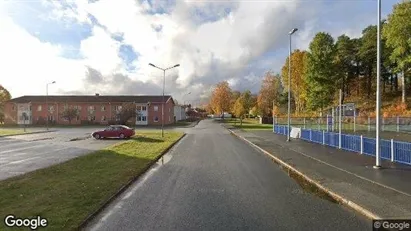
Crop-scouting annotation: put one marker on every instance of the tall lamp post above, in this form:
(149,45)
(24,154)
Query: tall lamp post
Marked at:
(289,86)
(164,83)
(47,105)
(378,103)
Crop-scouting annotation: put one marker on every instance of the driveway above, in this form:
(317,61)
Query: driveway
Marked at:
(25,153)
(212,181)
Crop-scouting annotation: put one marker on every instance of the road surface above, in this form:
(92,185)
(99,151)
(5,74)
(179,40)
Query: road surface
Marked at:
(213,181)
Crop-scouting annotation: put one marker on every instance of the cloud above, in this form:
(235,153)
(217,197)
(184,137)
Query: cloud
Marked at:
(213,41)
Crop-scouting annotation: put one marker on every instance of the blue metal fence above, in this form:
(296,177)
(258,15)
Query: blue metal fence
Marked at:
(395,151)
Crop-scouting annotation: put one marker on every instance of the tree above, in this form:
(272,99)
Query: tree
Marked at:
(298,82)
(320,71)
(368,55)
(270,92)
(127,111)
(397,33)
(234,96)
(4,96)
(344,60)
(240,108)
(69,113)
(221,98)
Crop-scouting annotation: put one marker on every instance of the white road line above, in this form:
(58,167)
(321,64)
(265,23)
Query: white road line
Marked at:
(21,161)
(19,149)
(13,144)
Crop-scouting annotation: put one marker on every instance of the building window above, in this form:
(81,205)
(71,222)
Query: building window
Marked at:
(103,118)
(139,118)
(155,108)
(169,110)
(117,108)
(39,108)
(138,108)
(91,108)
(65,107)
(30,107)
(143,118)
(51,108)
(144,108)
(103,108)
(155,119)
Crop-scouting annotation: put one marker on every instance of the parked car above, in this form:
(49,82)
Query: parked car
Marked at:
(114,131)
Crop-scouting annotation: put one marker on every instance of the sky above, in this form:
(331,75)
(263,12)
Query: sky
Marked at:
(105,46)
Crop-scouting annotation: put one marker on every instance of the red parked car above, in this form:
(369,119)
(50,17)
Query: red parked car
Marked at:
(117,131)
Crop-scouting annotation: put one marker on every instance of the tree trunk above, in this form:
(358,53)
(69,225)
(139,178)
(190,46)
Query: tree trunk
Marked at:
(357,72)
(403,87)
(369,76)
(241,121)
(396,82)
(383,86)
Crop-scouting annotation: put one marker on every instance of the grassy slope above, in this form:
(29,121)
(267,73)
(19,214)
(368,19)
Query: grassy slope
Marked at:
(67,193)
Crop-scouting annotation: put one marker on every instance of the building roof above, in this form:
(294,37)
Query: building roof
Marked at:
(92,98)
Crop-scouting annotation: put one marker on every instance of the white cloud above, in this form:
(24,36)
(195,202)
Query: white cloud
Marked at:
(212,40)
(28,63)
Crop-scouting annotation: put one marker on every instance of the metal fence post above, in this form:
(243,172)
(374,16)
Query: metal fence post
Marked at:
(323,137)
(355,121)
(369,123)
(398,124)
(304,122)
(392,150)
(318,122)
(362,145)
(311,134)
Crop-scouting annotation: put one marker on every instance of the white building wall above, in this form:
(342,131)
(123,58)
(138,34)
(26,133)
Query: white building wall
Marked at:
(179,113)
(24,108)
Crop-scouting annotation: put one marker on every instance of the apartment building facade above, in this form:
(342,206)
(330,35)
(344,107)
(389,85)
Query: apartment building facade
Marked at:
(96,109)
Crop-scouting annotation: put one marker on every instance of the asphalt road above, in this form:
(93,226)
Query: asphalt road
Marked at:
(213,181)
(25,153)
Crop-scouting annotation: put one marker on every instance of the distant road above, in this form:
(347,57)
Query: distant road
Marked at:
(214,181)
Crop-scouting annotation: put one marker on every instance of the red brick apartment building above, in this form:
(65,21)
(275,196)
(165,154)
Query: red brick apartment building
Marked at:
(96,109)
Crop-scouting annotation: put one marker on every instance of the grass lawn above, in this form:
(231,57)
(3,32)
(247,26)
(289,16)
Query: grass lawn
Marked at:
(67,193)
(249,124)
(8,132)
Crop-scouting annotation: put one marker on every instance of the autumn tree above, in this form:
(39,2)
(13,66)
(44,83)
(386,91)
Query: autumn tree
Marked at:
(4,96)
(320,71)
(240,108)
(221,98)
(69,113)
(270,92)
(234,96)
(298,82)
(397,33)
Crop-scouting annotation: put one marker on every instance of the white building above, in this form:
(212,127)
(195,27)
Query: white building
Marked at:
(179,113)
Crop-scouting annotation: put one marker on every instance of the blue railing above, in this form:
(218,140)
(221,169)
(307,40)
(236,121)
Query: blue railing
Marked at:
(395,151)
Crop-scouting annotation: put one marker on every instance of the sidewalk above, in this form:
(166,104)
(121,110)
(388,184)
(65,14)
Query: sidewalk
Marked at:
(383,193)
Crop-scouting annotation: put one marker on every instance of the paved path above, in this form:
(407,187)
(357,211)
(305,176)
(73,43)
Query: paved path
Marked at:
(213,181)
(386,192)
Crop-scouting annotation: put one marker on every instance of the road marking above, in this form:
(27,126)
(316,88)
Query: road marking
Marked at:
(21,161)
(19,149)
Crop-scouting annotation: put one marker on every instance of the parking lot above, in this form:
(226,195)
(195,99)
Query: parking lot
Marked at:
(25,153)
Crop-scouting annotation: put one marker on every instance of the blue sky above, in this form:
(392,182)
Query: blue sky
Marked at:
(240,40)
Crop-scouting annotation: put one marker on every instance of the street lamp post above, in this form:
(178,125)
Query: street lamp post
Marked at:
(289,86)
(47,105)
(378,103)
(164,83)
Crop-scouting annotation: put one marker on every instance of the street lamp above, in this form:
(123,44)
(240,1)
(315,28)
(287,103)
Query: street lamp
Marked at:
(378,104)
(47,105)
(289,85)
(164,83)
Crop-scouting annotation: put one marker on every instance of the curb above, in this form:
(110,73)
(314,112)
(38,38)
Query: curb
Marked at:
(87,220)
(28,133)
(329,192)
